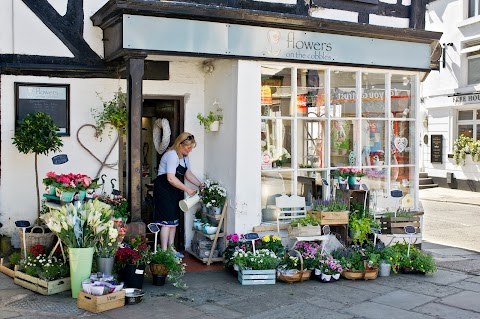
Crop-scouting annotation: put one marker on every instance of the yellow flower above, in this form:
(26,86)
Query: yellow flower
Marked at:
(391,258)
(266,239)
(275,238)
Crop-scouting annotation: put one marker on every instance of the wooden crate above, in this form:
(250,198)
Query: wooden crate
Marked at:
(302,231)
(41,286)
(7,271)
(395,225)
(257,277)
(330,218)
(98,304)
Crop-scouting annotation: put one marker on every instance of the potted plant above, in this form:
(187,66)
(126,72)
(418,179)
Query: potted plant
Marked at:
(107,247)
(272,243)
(306,226)
(114,112)
(211,121)
(119,206)
(49,183)
(132,260)
(165,264)
(235,242)
(213,196)
(327,268)
(257,267)
(37,133)
(308,250)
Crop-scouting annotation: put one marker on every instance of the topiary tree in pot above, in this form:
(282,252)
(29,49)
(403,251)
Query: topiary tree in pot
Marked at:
(37,133)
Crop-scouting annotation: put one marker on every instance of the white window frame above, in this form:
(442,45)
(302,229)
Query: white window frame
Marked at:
(467,68)
(474,122)
(467,8)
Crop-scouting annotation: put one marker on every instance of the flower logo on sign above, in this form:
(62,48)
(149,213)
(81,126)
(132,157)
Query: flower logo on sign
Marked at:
(273,38)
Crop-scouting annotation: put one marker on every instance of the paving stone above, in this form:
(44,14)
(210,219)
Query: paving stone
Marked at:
(451,251)
(468,300)
(416,283)
(474,279)
(368,285)
(373,310)
(446,312)
(300,311)
(347,295)
(403,299)
(4,314)
(326,303)
(467,265)
(467,285)
(152,310)
(220,311)
(445,277)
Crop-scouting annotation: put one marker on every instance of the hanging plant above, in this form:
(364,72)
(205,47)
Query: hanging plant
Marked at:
(114,112)
(207,120)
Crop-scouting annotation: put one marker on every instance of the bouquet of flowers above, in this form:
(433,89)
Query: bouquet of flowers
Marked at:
(118,203)
(260,260)
(80,227)
(109,241)
(39,265)
(136,252)
(213,195)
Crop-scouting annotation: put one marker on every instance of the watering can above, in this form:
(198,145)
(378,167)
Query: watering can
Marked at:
(187,203)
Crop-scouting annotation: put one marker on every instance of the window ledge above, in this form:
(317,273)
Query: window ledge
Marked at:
(468,22)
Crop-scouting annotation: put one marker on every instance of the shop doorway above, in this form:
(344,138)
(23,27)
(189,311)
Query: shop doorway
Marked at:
(155,109)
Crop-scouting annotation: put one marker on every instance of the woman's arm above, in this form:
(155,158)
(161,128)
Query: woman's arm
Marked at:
(193,179)
(175,182)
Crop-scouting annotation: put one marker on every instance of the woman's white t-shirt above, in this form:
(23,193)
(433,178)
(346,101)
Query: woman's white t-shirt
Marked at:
(170,161)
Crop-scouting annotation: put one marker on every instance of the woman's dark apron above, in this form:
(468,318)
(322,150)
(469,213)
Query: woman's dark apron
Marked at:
(166,198)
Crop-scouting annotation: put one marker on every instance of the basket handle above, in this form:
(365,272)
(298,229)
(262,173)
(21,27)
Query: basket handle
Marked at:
(301,261)
(36,226)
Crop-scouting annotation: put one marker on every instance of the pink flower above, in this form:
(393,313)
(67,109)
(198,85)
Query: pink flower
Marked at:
(51,175)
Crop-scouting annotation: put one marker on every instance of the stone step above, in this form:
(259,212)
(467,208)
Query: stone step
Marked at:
(425,181)
(423,175)
(427,186)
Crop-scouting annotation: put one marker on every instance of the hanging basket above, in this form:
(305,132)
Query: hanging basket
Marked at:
(300,275)
(158,269)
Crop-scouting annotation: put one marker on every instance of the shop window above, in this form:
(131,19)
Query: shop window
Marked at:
(311,93)
(343,94)
(276,91)
(373,95)
(473,70)
(374,147)
(402,96)
(343,143)
(468,123)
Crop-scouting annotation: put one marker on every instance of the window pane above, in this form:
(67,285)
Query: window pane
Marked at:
(310,185)
(403,179)
(466,130)
(478,132)
(311,93)
(403,140)
(373,142)
(274,184)
(465,115)
(402,96)
(373,95)
(310,141)
(471,8)
(343,94)
(473,71)
(342,143)
(276,91)
(277,142)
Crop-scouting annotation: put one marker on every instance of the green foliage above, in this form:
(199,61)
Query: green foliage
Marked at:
(360,229)
(329,206)
(350,259)
(174,264)
(272,243)
(15,258)
(418,260)
(114,112)
(260,260)
(37,133)
(305,221)
(208,119)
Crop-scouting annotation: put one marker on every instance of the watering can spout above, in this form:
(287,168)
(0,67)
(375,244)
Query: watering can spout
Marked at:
(187,203)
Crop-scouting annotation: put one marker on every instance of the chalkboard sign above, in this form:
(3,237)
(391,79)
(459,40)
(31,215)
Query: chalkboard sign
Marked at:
(51,99)
(436,149)
(59,159)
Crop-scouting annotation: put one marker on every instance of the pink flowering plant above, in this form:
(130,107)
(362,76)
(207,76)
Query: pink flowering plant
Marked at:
(235,242)
(345,172)
(50,179)
(309,252)
(328,265)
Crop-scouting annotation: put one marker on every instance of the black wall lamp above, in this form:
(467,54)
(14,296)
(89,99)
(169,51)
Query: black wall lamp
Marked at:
(444,51)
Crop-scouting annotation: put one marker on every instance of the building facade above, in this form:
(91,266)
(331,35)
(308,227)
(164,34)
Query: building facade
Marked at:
(450,97)
(304,88)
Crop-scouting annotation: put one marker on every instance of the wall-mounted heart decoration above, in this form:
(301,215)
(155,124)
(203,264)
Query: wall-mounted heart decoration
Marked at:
(84,138)
(400,143)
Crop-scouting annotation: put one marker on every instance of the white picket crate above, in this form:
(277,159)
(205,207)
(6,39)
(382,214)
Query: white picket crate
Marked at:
(257,277)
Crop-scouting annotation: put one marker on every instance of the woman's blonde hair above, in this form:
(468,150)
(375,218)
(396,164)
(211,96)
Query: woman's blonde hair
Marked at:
(184,138)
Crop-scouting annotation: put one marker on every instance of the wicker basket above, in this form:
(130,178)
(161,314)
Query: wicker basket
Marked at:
(32,238)
(301,275)
(368,274)
(158,269)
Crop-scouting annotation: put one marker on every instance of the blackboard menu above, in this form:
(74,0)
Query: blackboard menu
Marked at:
(51,99)
(436,149)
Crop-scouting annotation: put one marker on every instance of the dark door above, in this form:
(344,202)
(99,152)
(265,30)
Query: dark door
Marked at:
(155,108)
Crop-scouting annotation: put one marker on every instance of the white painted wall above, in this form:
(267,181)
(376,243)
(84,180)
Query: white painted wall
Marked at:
(387,21)
(447,16)
(334,14)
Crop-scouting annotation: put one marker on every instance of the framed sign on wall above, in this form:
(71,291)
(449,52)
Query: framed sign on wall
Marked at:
(51,99)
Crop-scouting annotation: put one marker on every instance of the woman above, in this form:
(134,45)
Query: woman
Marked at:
(169,186)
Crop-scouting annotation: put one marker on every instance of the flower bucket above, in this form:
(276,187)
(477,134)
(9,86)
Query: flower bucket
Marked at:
(384,270)
(66,197)
(80,267)
(50,190)
(134,275)
(105,265)
(82,194)
(351,179)
(158,280)
(216,210)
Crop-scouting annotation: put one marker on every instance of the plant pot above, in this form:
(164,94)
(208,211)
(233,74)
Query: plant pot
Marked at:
(336,277)
(105,265)
(384,270)
(158,269)
(216,210)
(342,186)
(81,195)
(159,280)
(134,275)
(80,260)
(351,179)
(354,186)
(326,278)
(214,126)
(66,197)
(50,190)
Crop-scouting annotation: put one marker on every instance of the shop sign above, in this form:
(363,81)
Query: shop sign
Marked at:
(190,36)
(436,151)
(266,160)
(466,99)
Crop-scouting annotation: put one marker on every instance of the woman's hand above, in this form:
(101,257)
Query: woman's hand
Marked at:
(190,191)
